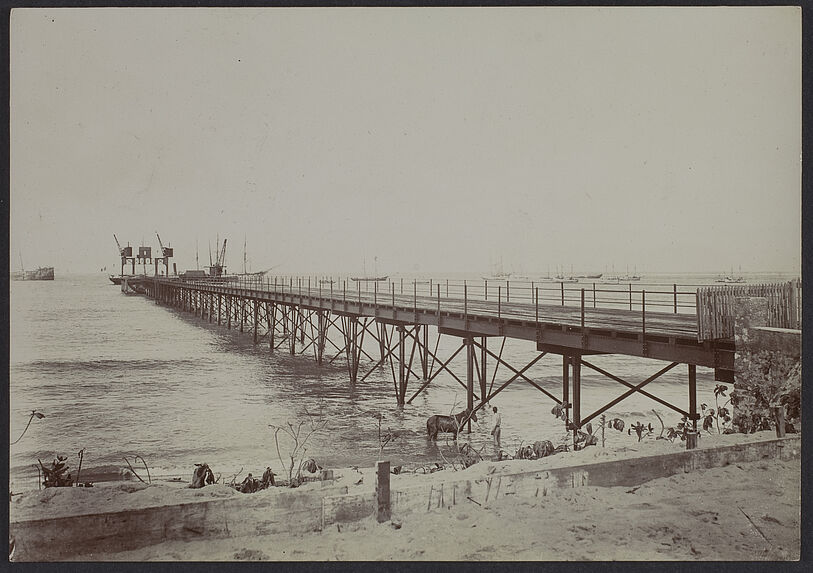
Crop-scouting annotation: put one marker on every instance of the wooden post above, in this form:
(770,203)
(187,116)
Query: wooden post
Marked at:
(582,316)
(779,419)
(674,290)
(691,436)
(438,307)
(536,304)
(382,491)
(793,302)
(256,320)
(465,306)
(643,318)
(499,302)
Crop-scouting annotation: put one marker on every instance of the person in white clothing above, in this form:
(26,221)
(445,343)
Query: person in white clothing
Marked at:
(496,430)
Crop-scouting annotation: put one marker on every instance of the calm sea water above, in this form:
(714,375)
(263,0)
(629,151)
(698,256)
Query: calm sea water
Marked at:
(120,375)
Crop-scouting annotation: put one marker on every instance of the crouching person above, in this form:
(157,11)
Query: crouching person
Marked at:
(268,478)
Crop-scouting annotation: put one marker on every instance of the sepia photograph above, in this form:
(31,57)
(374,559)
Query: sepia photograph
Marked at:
(405,284)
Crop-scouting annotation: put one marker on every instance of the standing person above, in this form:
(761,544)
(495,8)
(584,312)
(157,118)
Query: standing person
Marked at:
(496,430)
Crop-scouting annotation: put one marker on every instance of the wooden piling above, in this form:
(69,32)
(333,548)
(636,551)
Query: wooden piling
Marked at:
(382,491)
(691,436)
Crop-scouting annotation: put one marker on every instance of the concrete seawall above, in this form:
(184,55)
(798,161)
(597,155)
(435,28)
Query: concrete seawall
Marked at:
(293,511)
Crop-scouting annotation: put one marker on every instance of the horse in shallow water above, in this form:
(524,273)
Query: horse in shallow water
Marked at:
(451,424)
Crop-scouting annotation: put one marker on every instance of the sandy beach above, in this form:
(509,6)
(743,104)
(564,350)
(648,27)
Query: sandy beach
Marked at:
(744,511)
(699,516)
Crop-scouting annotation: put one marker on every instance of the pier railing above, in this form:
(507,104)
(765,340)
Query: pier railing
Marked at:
(715,307)
(656,297)
(712,305)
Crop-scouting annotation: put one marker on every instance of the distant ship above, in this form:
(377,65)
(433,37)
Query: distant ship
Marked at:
(560,278)
(40,274)
(497,277)
(118,279)
(731,279)
(375,278)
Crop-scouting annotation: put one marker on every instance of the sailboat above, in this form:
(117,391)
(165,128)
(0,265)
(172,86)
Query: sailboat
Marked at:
(370,279)
(560,277)
(630,277)
(547,278)
(499,274)
(731,279)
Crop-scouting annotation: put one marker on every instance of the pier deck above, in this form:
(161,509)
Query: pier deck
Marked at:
(658,335)
(296,313)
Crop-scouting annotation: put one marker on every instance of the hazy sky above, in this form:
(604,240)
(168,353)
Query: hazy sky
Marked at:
(665,139)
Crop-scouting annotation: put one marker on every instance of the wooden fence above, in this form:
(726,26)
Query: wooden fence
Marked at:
(715,307)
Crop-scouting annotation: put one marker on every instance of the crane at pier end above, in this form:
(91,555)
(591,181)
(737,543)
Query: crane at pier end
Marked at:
(218,269)
(166,254)
(126,254)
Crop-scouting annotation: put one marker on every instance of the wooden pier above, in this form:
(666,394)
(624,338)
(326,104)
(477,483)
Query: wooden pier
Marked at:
(571,322)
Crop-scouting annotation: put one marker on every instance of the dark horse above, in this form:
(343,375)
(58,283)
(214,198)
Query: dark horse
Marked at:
(451,424)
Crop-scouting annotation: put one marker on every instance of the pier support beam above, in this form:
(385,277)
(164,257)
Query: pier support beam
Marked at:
(256,319)
(401,364)
(566,388)
(691,437)
(576,362)
(321,336)
(469,342)
(270,315)
(483,354)
(423,350)
(290,316)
